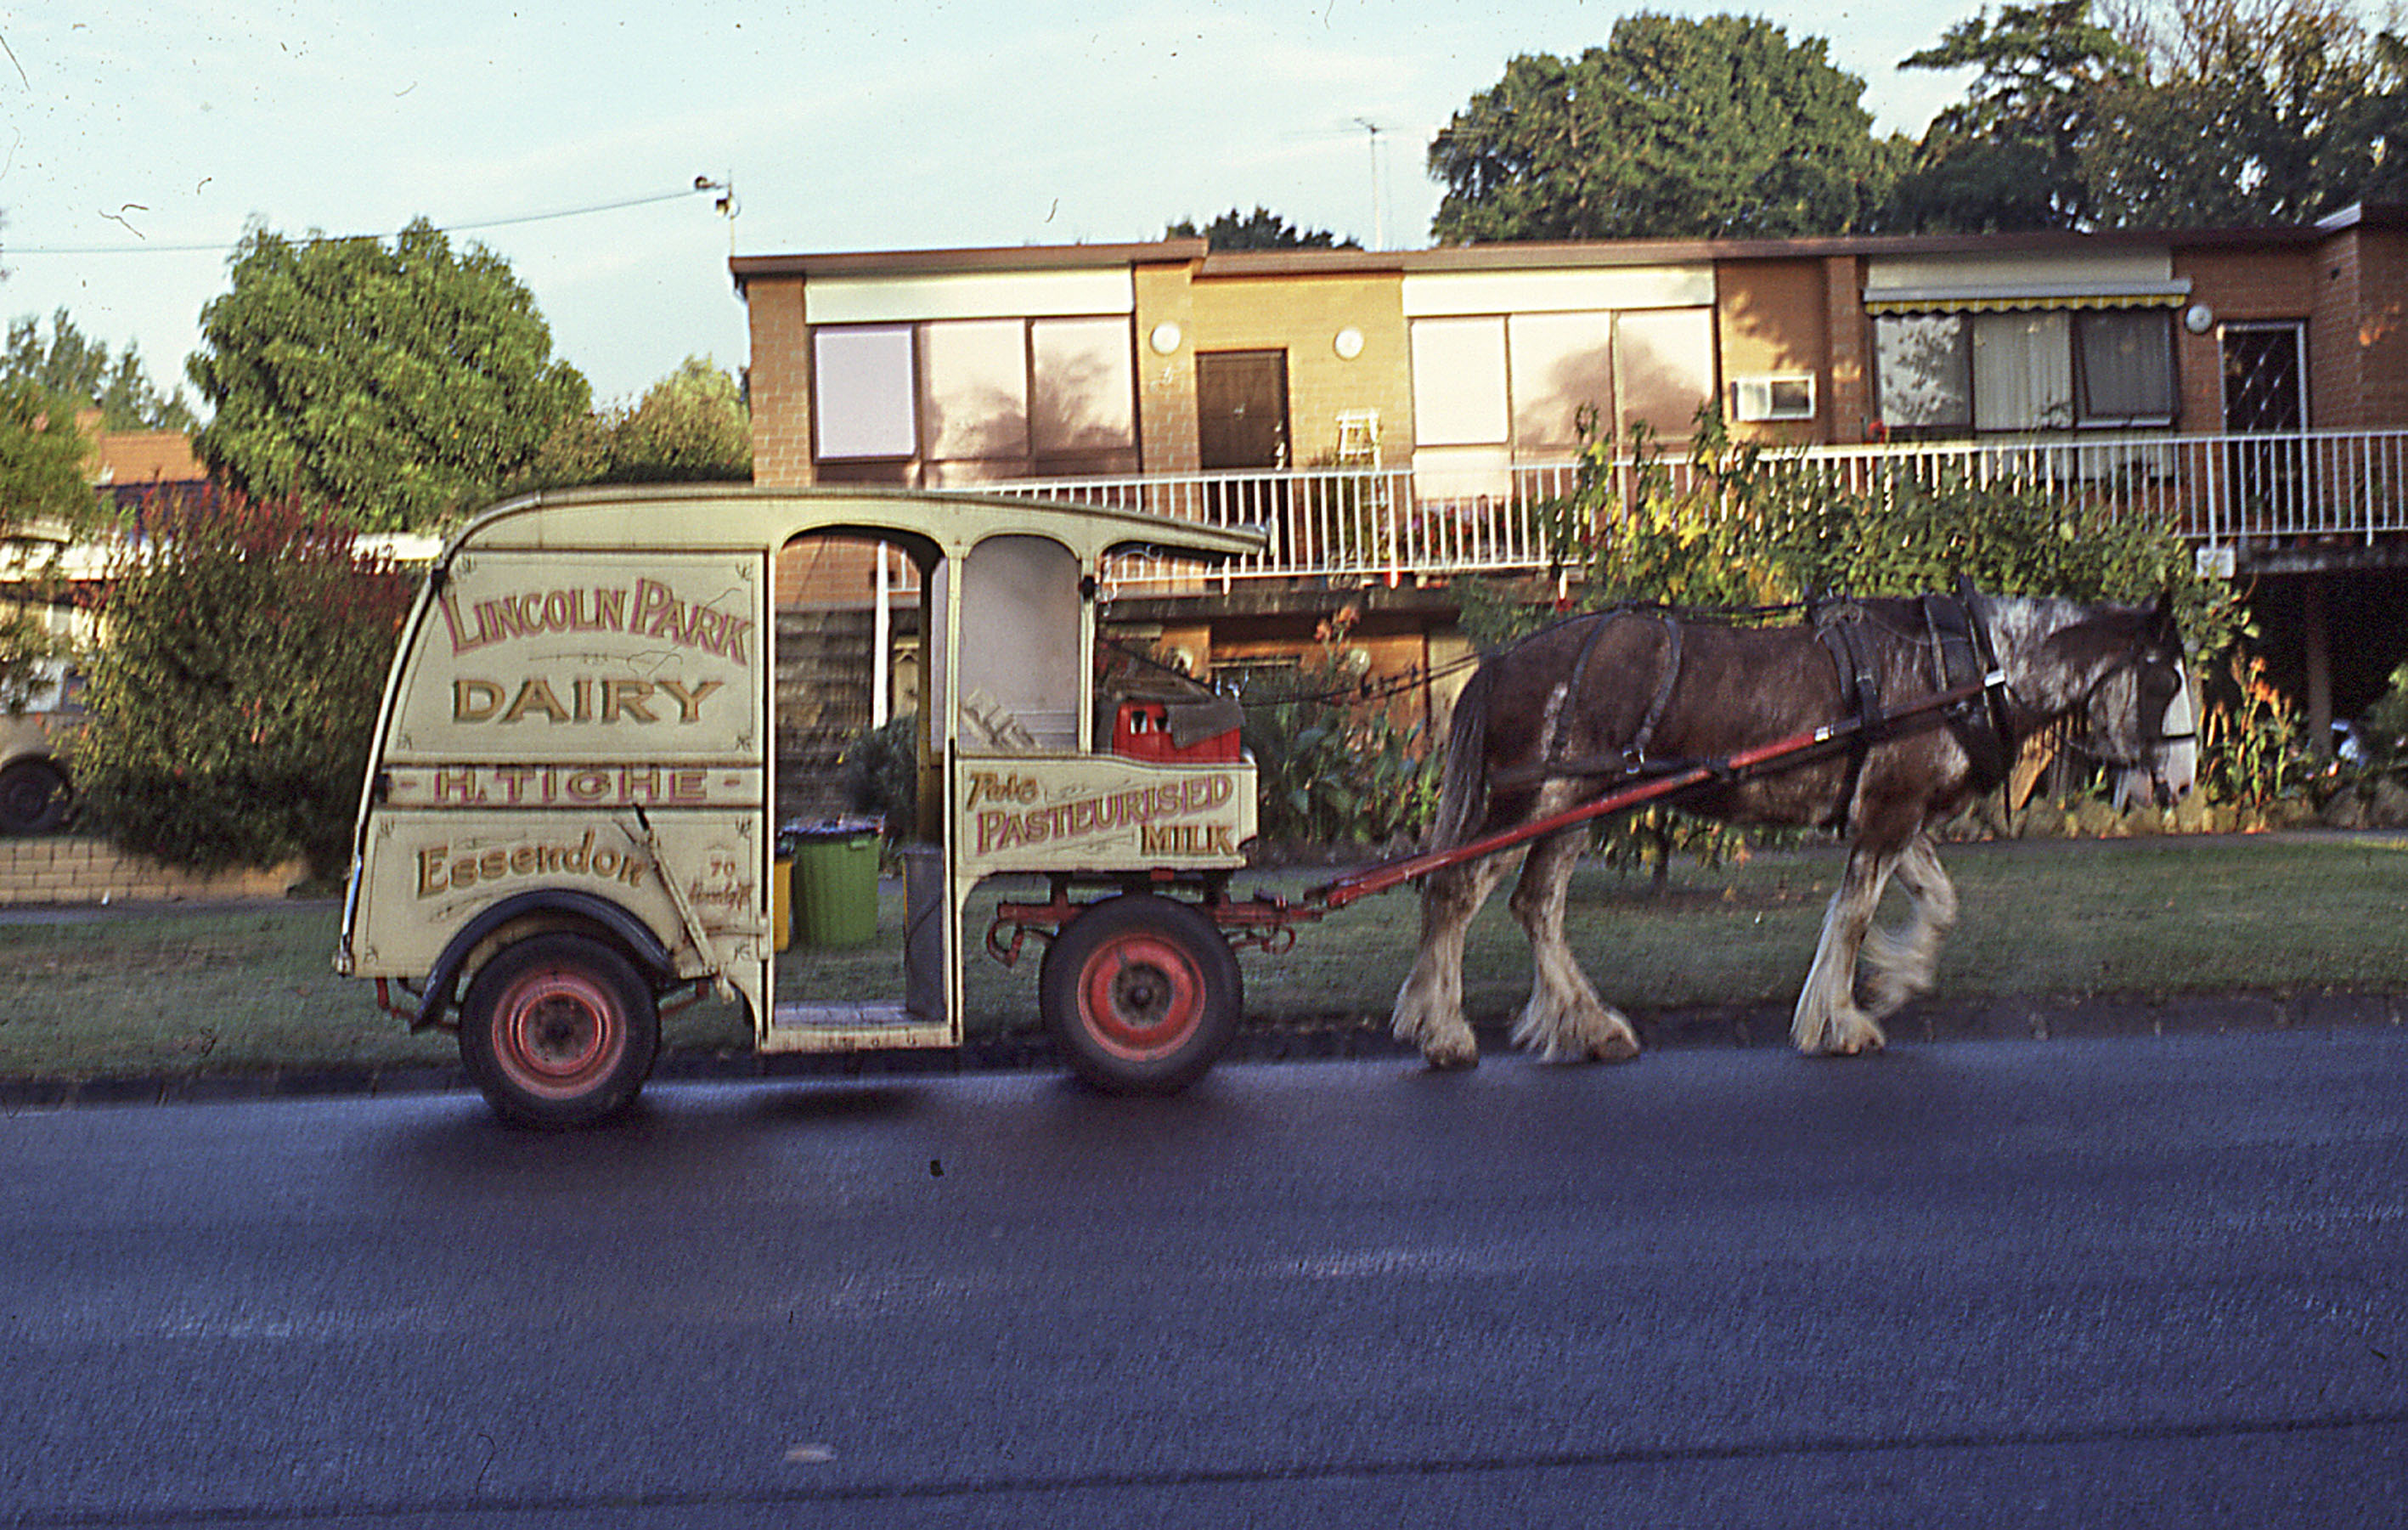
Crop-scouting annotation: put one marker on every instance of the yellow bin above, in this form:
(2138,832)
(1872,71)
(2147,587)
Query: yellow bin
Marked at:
(782,901)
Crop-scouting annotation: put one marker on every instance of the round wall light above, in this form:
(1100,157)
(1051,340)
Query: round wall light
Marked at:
(1349,343)
(2198,318)
(1164,338)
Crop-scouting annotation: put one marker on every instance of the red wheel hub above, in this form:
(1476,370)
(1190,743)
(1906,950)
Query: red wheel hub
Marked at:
(559,1032)
(1141,996)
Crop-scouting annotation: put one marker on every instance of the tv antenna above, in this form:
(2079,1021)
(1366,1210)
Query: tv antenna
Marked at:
(1379,213)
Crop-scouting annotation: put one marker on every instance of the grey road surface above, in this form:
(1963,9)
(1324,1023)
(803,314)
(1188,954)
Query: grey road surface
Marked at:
(2122,1282)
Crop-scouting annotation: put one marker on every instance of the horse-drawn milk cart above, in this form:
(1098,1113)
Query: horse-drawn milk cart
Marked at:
(568,810)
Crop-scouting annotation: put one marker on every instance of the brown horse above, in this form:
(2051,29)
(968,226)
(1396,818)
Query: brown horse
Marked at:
(1598,702)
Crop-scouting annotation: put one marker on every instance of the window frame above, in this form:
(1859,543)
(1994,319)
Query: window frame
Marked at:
(2083,417)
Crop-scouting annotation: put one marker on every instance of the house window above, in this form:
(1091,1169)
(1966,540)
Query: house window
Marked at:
(1563,363)
(974,390)
(1082,410)
(1664,368)
(861,394)
(2024,370)
(1519,384)
(959,402)
(2124,363)
(1460,392)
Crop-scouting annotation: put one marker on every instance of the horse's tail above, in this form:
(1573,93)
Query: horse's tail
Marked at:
(1463,788)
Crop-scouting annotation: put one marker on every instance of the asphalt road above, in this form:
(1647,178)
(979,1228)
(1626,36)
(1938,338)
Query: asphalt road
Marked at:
(2118,1282)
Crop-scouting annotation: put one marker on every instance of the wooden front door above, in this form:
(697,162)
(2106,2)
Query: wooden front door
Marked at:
(1241,409)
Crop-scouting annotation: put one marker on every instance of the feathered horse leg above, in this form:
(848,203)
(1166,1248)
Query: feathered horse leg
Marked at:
(1565,1020)
(1429,1006)
(1903,961)
(1827,1018)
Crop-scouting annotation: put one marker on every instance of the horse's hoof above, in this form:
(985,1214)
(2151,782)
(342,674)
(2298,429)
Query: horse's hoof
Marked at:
(1616,1049)
(1455,1058)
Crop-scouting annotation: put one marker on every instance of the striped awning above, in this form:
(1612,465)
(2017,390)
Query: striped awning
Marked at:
(2053,294)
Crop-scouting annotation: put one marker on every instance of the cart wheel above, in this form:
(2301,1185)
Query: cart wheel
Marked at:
(559,1030)
(1141,993)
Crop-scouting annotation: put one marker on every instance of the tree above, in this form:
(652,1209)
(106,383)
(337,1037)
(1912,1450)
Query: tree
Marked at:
(2185,113)
(2011,155)
(1261,229)
(232,706)
(690,426)
(2252,111)
(43,457)
(42,487)
(80,373)
(1675,128)
(396,384)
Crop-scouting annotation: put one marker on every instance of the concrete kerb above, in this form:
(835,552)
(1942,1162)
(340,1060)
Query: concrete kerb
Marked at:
(1336,1038)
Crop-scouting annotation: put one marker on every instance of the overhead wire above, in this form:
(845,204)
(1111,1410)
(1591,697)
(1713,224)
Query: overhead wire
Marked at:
(149,249)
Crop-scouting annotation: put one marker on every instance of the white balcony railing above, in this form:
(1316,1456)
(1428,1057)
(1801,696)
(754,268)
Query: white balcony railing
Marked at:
(1387,524)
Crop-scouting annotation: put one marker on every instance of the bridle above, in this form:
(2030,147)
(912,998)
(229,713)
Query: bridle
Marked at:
(2155,664)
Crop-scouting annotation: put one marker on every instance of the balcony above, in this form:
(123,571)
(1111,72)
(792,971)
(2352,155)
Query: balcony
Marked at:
(2258,497)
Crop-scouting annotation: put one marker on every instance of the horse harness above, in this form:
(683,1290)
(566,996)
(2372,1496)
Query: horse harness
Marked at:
(1962,657)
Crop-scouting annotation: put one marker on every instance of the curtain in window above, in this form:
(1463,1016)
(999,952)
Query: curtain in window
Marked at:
(1926,369)
(2023,371)
(1664,368)
(974,389)
(861,392)
(2126,364)
(1086,385)
(1560,362)
(1460,381)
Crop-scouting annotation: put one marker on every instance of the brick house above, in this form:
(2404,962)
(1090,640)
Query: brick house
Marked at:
(2254,382)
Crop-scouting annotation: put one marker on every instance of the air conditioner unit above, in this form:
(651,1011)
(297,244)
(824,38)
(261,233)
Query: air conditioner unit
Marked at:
(1788,396)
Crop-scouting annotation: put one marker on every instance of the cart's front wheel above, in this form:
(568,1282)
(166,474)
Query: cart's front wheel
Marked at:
(1141,994)
(559,1030)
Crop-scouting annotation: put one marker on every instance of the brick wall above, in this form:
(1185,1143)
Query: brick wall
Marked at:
(1771,317)
(1302,316)
(2382,327)
(1849,406)
(2241,286)
(81,871)
(1165,383)
(780,382)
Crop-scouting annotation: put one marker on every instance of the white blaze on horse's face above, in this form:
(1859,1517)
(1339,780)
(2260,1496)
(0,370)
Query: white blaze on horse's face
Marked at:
(2166,765)
(2178,756)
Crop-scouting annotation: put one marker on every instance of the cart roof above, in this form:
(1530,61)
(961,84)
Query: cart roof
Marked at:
(701,516)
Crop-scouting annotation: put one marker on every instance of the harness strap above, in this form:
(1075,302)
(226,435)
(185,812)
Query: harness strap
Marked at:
(1633,759)
(1963,655)
(1860,697)
(1669,676)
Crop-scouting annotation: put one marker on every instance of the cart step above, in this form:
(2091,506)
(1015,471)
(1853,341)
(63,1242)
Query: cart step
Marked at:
(798,1015)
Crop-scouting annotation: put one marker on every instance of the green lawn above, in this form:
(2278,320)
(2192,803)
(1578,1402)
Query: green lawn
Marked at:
(194,990)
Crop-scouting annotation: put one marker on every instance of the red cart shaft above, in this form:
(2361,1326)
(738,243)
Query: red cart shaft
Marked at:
(1392,873)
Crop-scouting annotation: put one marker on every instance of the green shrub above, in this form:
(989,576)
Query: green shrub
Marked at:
(1333,764)
(1748,526)
(882,774)
(244,650)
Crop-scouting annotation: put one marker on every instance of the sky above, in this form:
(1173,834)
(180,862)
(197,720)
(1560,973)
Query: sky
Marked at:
(137,140)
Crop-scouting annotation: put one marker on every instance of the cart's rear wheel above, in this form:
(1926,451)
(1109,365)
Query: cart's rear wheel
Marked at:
(559,1029)
(1141,993)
